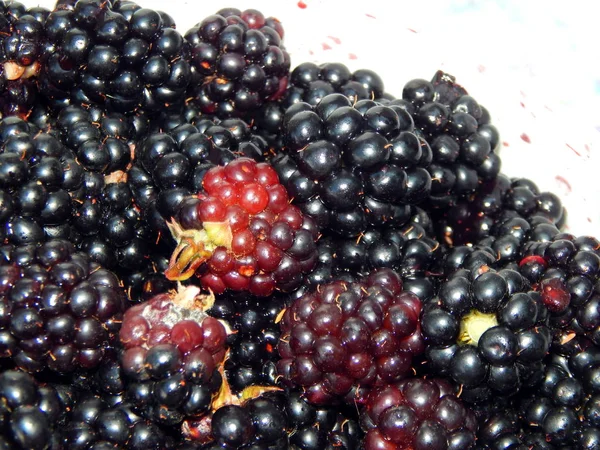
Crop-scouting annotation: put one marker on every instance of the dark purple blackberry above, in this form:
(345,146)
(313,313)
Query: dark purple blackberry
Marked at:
(40,178)
(417,413)
(123,57)
(238,61)
(31,413)
(346,337)
(352,165)
(464,144)
(487,330)
(21,47)
(59,310)
(173,352)
(93,423)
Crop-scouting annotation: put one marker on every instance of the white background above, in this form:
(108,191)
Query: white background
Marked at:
(535,65)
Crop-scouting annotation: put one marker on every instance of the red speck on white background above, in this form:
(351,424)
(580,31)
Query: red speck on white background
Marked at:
(337,40)
(562,181)
(326,46)
(525,138)
(522,104)
(301,4)
(370,16)
(505,144)
(352,56)
(412,30)
(574,151)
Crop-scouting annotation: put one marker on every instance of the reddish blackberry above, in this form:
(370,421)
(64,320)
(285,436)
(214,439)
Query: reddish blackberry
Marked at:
(353,165)
(59,310)
(21,45)
(346,337)
(29,413)
(241,233)
(463,142)
(487,330)
(417,413)
(239,61)
(173,351)
(93,423)
(122,57)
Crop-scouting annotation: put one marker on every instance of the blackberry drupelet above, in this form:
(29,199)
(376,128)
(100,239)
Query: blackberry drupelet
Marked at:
(238,61)
(122,56)
(241,233)
(31,413)
(351,166)
(59,310)
(344,338)
(173,352)
(417,413)
(21,46)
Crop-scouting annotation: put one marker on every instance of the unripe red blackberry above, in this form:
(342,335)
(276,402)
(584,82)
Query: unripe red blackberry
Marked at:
(242,233)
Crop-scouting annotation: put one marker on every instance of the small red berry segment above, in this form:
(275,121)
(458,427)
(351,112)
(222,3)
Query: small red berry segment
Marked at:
(555,295)
(247,237)
(340,341)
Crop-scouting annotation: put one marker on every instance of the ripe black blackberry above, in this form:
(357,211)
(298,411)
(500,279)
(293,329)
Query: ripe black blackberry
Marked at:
(59,309)
(344,338)
(487,329)
(31,413)
(309,83)
(417,413)
(282,420)
(173,352)
(40,177)
(94,423)
(353,165)
(253,342)
(21,46)
(492,212)
(238,61)
(463,141)
(122,56)
(563,410)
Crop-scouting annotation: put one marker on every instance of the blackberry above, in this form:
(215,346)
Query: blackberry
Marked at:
(352,165)
(93,423)
(40,176)
(31,413)
(342,339)
(21,46)
(253,341)
(172,354)
(238,61)
(123,57)
(309,83)
(486,329)
(241,233)
(417,413)
(282,420)
(60,310)
(464,144)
